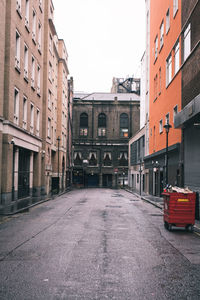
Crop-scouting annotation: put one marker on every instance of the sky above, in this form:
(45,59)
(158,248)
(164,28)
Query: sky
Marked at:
(104,39)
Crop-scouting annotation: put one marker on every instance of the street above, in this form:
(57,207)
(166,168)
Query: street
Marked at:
(96,244)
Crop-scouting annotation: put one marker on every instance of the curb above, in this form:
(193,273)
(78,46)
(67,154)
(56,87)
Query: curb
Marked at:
(34,204)
(196,228)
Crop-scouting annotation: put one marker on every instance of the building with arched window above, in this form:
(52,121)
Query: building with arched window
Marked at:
(102,126)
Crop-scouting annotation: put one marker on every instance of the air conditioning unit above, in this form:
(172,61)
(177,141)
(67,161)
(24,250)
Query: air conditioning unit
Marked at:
(38,89)
(39,47)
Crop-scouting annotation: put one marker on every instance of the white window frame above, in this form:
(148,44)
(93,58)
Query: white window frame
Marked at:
(27,12)
(32,118)
(175,7)
(167,120)
(25,61)
(16,106)
(38,122)
(33,72)
(49,128)
(38,79)
(175,111)
(39,36)
(169,69)
(17,50)
(162,34)
(49,99)
(161,126)
(187,41)
(156,47)
(25,101)
(50,71)
(34,25)
(167,20)
(176,57)
(18,6)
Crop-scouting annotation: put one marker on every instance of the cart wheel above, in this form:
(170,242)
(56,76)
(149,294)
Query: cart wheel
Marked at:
(170,227)
(189,227)
(166,225)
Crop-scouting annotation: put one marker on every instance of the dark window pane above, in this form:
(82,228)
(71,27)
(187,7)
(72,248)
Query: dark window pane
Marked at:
(83,120)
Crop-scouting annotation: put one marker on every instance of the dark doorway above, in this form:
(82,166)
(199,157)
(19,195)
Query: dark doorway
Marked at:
(23,173)
(107,180)
(92,180)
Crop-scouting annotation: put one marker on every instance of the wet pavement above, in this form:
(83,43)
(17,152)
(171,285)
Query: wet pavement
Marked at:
(96,244)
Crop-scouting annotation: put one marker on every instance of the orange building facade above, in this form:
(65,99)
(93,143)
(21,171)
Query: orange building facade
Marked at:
(164,92)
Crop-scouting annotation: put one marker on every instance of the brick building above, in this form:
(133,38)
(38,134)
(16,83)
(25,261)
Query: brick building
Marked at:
(164,93)
(188,119)
(30,70)
(102,125)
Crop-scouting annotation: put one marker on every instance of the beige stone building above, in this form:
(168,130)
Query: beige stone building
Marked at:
(35,65)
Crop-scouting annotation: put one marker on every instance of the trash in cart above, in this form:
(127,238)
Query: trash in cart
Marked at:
(179,207)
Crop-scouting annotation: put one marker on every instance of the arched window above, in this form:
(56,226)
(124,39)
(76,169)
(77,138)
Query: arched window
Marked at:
(101,124)
(83,124)
(124,125)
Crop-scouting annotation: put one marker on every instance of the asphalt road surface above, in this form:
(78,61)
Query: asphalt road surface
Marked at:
(97,244)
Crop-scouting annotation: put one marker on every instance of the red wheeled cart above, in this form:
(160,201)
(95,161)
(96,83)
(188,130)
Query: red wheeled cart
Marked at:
(179,210)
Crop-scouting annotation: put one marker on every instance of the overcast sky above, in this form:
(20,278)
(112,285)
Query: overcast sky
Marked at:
(104,39)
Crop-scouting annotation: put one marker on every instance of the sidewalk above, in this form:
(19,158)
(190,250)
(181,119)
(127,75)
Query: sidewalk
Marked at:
(158,202)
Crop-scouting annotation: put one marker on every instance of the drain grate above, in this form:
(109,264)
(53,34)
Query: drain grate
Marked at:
(113,206)
(156,215)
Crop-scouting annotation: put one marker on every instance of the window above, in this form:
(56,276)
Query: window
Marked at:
(34,26)
(156,47)
(169,70)
(78,158)
(33,72)
(50,71)
(25,61)
(160,81)
(175,111)
(38,79)
(107,159)
(92,159)
(49,128)
(27,13)
(24,112)
(83,124)
(101,124)
(49,99)
(187,41)
(50,43)
(32,119)
(167,21)
(176,58)
(175,7)
(17,51)
(38,122)
(161,126)
(18,6)
(123,159)
(161,34)
(16,106)
(155,87)
(167,119)
(39,36)
(124,125)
